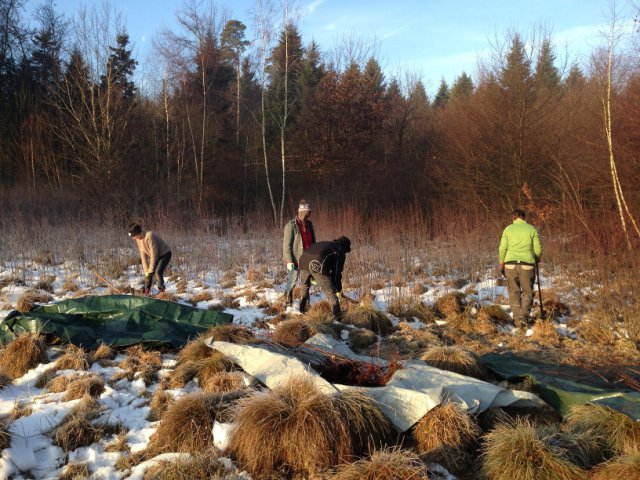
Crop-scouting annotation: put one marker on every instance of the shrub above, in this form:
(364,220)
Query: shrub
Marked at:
(445,434)
(392,464)
(519,451)
(454,359)
(24,353)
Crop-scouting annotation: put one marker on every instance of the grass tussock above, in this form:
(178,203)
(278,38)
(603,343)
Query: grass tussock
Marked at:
(544,332)
(445,435)
(29,300)
(141,363)
(77,429)
(450,305)
(494,314)
(470,326)
(103,353)
(119,444)
(361,339)
(70,285)
(166,296)
(20,410)
(295,331)
(369,317)
(194,351)
(407,342)
(4,380)
(186,425)
(520,451)
(583,448)
(231,334)
(59,383)
(624,467)
(203,296)
(183,373)
(454,359)
(391,464)
(200,466)
(311,427)
(223,382)
(212,365)
(91,385)
(159,404)
(410,309)
(73,358)
(620,433)
(24,353)
(75,471)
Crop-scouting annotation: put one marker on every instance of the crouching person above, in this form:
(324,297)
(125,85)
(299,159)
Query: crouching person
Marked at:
(155,255)
(323,262)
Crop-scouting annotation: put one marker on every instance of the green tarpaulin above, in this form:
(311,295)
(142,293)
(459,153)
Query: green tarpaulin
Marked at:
(562,386)
(114,320)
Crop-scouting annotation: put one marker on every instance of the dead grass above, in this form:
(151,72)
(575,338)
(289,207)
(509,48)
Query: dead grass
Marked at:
(141,363)
(29,300)
(212,365)
(75,471)
(70,285)
(223,382)
(583,448)
(625,467)
(311,428)
(393,464)
(186,425)
(410,308)
(231,334)
(4,380)
(455,359)
(194,351)
(183,373)
(166,296)
(544,332)
(407,342)
(254,275)
(203,296)
(450,305)
(73,358)
(361,339)
(103,353)
(295,331)
(494,314)
(621,434)
(77,428)
(228,301)
(228,279)
(201,466)
(20,410)
(60,383)
(159,404)
(367,316)
(91,385)
(24,353)
(5,436)
(520,451)
(119,444)
(445,435)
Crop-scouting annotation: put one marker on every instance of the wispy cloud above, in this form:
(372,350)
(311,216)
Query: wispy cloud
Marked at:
(309,9)
(393,33)
(331,26)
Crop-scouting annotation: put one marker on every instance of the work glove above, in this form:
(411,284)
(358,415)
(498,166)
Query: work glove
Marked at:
(339,294)
(291,266)
(313,281)
(148,275)
(502,268)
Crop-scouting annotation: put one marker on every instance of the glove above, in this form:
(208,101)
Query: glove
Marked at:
(148,275)
(502,268)
(313,281)
(291,267)
(339,294)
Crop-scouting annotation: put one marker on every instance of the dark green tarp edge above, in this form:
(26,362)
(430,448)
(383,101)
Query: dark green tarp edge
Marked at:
(114,320)
(562,386)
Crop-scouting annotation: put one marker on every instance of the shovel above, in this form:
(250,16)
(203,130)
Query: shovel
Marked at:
(542,316)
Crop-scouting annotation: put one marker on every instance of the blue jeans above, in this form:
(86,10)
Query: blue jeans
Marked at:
(292,278)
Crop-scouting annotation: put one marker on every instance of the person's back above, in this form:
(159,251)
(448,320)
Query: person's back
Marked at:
(520,243)
(321,257)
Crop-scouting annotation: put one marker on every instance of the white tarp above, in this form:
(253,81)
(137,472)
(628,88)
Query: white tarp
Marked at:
(411,392)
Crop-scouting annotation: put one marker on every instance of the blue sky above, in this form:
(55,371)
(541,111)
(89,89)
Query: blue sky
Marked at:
(434,39)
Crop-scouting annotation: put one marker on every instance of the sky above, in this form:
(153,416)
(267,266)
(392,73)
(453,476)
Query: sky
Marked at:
(433,39)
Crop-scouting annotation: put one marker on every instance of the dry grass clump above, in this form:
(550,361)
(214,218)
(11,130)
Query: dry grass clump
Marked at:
(544,332)
(598,329)
(314,430)
(296,331)
(494,314)
(183,373)
(75,471)
(450,305)
(141,363)
(227,301)
(5,436)
(231,334)
(583,448)
(200,466)
(194,350)
(73,358)
(60,383)
(212,365)
(409,308)
(77,428)
(46,284)
(392,464)
(166,296)
(223,382)
(361,339)
(625,467)
(228,280)
(187,423)
(159,404)
(20,410)
(319,313)
(254,275)
(91,385)
(367,316)
(454,359)
(28,300)
(445,434)
(407,342)
(203,296)
(520,451)
(103,354)
(620,433)
(70,285)
(470,326)
(24,353)
(119,444)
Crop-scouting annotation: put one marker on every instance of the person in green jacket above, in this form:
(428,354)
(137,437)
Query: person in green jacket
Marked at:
(299,234)
(520,250)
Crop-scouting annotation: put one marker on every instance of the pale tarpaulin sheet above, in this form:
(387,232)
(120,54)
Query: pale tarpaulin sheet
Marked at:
(411,392)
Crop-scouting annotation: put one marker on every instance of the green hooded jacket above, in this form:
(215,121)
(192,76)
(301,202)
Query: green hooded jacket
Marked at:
(520,242)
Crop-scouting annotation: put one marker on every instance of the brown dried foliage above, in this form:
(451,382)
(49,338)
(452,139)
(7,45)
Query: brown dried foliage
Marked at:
(91,385)
(24,353)
(624,467)
(454,359)
(394,464)
(73,358)
(223,382)
(367,316)
(28,300)
(75,471)
(450,305)
(159,404)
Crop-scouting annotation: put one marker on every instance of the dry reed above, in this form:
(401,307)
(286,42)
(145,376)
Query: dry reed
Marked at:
(24,353)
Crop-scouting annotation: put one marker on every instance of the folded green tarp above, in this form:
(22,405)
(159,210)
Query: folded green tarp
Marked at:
(114,320)
(563,386)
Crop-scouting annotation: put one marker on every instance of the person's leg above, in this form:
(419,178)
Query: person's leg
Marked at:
(163,261)
(527,276)
(292,278)
(326,284)
(513,287)
(305,282)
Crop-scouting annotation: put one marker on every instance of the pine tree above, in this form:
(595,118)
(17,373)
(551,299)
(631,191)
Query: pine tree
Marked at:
(462,87)
(120,68)
(546,74)
(442,95)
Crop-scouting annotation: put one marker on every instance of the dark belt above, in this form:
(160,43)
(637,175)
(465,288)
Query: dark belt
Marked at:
(519,262)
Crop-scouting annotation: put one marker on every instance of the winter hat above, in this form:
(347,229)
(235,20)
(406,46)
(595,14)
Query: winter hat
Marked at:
(344,242)
(134,229)
(304,206)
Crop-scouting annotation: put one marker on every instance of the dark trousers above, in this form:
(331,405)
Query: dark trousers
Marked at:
(520,279)
(163,261)
(326,284)
(292,278)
